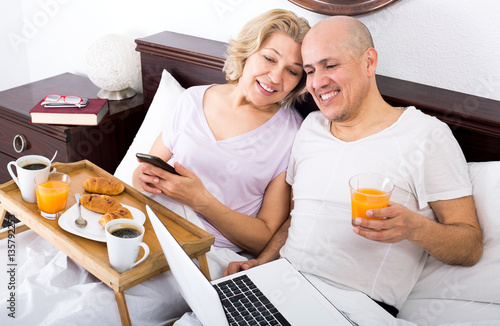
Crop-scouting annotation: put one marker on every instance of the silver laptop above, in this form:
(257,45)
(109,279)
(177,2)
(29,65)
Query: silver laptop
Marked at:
(271,294)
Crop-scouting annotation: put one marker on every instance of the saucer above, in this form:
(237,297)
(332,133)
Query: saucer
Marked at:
(93,230)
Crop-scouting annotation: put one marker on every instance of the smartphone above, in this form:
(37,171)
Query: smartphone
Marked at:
(156,161)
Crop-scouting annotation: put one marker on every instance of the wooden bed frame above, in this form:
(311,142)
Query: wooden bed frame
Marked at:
(475,121)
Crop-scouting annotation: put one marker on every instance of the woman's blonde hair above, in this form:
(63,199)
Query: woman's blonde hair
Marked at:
(256,32)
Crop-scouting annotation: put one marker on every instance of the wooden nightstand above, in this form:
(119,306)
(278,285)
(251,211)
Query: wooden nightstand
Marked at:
(104,145)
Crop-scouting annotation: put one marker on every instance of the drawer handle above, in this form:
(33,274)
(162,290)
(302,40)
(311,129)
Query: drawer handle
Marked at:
(19,143)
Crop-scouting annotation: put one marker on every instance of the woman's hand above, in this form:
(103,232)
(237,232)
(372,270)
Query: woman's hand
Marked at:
(147,180)
(185,188)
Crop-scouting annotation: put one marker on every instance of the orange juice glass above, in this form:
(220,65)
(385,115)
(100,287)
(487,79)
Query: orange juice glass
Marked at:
(52,194)
(369,191)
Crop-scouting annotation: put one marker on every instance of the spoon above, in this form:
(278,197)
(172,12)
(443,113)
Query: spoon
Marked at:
(80,221)
(55,154)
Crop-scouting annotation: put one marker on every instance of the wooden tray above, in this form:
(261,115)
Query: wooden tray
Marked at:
(92,255)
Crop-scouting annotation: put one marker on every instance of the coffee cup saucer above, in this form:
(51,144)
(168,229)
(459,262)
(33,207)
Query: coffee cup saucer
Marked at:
(93,230)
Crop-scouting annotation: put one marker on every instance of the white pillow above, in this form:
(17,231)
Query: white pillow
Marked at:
(160,110)
(480,282)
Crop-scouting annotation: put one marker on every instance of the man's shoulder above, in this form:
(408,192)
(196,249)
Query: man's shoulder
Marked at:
(414,115)
(313,121)
(315,117)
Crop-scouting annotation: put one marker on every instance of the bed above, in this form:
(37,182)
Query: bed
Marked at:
(444,294)
(171,62)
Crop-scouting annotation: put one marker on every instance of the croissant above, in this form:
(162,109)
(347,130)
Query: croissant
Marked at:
(120,213)
(103,186)
(99,203)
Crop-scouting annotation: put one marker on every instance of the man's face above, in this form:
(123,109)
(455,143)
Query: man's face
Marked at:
(335,77)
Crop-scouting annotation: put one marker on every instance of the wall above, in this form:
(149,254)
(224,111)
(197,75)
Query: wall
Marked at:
(451,44)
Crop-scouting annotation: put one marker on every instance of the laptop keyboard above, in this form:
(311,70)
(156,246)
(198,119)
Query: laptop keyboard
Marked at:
(244,304)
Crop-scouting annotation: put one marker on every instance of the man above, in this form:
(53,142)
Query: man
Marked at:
(431,210)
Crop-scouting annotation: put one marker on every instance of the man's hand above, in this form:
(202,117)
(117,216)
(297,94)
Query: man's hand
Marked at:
(455,238)
(397,224)
(237,266)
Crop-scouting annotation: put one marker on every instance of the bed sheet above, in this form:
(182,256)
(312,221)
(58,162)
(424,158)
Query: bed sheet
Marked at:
(450,312)
(78,298)
(51,289)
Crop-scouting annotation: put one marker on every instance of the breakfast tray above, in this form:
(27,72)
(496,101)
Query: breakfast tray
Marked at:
(92,255)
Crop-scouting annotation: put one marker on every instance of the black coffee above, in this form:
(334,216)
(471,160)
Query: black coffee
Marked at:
(35,166)
(126,233)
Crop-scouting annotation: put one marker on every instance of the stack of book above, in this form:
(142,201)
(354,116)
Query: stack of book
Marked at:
(90,115)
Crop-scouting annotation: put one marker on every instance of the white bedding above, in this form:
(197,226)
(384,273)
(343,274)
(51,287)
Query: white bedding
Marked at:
(53,290)
(451,312)
(447,294)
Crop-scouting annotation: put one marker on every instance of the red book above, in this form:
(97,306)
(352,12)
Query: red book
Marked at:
(89,115)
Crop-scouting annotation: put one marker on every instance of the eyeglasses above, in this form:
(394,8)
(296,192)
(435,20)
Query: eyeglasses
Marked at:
(70,99)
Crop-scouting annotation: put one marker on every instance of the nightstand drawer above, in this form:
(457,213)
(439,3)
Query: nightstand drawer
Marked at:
(104,145)
(36,142)
(4,173)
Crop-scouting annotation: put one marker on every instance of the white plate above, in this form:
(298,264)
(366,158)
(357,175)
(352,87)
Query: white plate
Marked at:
(93,230)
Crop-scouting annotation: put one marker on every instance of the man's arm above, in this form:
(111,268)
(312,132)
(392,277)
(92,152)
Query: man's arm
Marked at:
(455,239)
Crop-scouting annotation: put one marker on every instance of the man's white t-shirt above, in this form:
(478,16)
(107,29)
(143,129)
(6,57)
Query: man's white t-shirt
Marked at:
(237,170)
(421,156)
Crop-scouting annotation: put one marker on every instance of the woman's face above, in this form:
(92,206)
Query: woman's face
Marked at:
(272,72)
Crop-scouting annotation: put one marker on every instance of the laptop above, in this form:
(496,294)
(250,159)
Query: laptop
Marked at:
(277,294)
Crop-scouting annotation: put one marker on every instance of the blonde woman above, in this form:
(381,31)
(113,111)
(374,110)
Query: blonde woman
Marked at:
(230,143)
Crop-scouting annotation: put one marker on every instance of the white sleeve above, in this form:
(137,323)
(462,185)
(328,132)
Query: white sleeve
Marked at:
(443,174)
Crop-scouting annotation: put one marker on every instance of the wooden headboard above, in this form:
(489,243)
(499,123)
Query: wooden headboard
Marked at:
(475,121)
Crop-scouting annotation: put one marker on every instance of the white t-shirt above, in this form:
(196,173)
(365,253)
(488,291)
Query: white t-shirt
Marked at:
(235,170)
(421,156)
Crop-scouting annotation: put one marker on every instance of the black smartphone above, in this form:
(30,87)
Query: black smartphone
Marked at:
(156,161)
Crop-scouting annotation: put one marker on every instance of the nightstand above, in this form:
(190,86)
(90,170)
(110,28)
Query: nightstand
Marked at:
(104,145)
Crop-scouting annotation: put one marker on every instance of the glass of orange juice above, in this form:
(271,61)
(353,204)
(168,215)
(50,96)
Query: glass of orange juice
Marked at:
(369,191)
(52,193)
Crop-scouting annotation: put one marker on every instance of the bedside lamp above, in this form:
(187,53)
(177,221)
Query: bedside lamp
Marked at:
(113,65)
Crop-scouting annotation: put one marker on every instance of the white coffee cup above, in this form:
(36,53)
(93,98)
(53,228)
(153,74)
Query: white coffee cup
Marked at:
(25,175)
(123,251)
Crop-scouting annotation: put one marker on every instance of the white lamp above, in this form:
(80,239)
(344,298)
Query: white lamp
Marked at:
(113,65)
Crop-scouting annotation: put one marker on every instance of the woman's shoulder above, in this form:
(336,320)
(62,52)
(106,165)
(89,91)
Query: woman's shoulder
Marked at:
(196,90)
(293,115)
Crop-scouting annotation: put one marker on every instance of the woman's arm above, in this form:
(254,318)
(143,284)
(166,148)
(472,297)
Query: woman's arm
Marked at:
(247,232)
(271,251)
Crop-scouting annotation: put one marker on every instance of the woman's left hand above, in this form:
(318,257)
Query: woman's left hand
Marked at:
(185,188)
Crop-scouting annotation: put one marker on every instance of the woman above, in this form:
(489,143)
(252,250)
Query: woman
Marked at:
(230,143)
(262,72)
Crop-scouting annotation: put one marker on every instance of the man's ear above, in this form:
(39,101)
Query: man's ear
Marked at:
(371,59)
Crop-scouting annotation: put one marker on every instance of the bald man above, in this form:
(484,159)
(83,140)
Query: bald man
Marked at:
(431,210)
